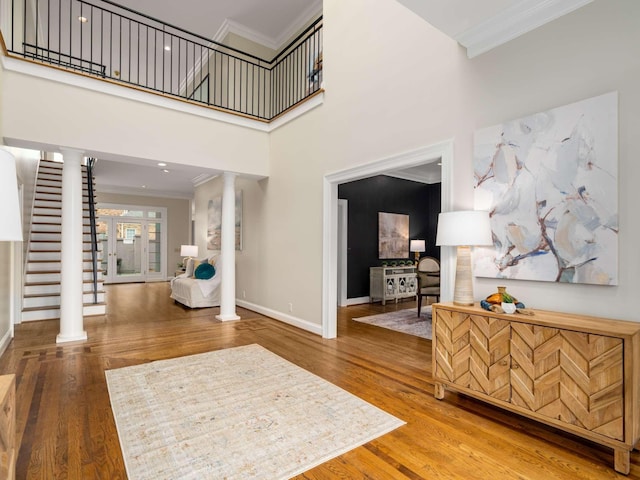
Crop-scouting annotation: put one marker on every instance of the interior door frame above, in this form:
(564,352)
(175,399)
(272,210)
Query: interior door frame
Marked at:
(112,248)
(442,151)
(343,251)
(145,220)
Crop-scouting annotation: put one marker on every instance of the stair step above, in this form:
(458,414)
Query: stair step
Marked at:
(54,237)
(50,170)
(55,228)
(53,300)
(53,256)
(45,182)
(48,313)
(47,266)
(53,276)
(53,197)
(53,287)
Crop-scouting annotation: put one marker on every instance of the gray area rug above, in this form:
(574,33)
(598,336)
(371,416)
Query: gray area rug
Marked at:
(239,413)
(405,321)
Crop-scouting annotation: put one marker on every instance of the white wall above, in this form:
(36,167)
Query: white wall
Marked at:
(48,112)
(5,267)
(394,84)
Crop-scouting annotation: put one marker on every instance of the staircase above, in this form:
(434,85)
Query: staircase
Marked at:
(42,275)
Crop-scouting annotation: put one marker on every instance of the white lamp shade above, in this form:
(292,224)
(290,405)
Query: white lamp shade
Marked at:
(10,217)
(416,246)
(188,250)
(464,228)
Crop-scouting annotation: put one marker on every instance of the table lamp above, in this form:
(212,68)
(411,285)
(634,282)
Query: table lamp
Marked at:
(10,218)
(464,229)
(188,251)
(417,246)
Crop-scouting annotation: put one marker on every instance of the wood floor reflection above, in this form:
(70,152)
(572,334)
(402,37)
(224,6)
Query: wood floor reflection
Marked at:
(66,428)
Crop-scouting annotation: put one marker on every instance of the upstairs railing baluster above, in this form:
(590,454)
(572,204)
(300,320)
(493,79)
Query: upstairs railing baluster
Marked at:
(201,70)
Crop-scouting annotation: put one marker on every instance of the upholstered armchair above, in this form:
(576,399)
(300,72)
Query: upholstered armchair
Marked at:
(428,279)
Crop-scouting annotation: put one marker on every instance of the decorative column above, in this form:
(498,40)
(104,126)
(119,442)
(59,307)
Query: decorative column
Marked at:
(228,250)
(71,305)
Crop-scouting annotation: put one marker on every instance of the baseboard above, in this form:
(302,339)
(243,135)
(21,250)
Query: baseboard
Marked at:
(5,341)
(357,301)
(283,317)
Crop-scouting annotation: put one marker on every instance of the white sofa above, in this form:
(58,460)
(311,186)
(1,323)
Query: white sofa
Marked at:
(195,293)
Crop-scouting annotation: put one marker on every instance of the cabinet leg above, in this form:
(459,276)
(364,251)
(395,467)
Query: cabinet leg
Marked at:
(622,462)
(438,392)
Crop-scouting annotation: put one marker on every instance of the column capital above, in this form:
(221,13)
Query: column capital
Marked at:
(72,152)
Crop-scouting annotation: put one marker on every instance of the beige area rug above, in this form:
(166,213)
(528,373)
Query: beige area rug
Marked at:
(405,321)
(238,413)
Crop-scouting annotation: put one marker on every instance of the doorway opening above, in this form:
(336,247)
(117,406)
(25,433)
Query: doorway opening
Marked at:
(133,243)
(442,152)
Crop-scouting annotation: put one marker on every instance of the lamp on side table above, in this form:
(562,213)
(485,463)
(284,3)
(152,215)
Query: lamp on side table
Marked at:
(418,247)
(464,229)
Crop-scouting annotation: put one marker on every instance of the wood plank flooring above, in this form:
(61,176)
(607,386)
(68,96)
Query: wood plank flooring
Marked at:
(66,428)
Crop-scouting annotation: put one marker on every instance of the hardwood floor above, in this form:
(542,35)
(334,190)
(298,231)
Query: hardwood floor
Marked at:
(66,428)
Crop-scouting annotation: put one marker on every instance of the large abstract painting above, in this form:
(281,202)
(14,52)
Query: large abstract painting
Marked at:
(550,183)
(393,235)
(214,222)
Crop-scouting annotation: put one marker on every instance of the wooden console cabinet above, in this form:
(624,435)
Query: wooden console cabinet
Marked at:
(8,447)
(576,373)
(392,283)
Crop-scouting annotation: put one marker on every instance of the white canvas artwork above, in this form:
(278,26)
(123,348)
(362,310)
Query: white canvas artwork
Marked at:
(550,183)
(214,222)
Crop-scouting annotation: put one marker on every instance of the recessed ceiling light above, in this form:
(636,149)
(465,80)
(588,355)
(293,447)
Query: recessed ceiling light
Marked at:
(439,164)
(165,170)
(162,164)
(167,48)
(83,19)
(144,186)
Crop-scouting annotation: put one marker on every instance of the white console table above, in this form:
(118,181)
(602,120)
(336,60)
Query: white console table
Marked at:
(392,283)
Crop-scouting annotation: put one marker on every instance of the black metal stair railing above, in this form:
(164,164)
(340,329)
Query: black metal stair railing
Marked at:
(109,41)
(92,221)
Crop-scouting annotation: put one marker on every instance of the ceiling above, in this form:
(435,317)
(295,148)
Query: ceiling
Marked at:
(477,25)
(149,178)
(273,22)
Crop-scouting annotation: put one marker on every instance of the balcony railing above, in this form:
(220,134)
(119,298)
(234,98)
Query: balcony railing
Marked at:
(108,41)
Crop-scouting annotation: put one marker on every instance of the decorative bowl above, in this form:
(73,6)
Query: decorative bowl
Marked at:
(508,307)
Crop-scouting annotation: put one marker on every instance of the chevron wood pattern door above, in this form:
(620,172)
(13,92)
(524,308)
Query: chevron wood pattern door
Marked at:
(569,376)
(475,352)
(574,372)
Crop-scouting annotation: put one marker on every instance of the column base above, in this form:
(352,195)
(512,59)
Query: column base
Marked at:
(227,317)
(71,338)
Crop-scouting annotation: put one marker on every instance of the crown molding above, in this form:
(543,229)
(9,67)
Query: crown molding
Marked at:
(514,21)
(231,26)
(428,179)
(311,13)
(202,179)
(275,44)
(144,192)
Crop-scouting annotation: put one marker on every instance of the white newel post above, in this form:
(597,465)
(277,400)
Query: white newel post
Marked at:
(71,319)
(228,250)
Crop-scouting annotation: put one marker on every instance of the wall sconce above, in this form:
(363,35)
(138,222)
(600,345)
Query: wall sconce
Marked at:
(464,229)
(10,217)
(418,247)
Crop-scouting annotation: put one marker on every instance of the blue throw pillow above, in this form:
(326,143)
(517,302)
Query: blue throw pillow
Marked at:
(204,271)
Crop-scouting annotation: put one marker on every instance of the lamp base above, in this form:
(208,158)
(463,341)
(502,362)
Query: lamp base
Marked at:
(463,290)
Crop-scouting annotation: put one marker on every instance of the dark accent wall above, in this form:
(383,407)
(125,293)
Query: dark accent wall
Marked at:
(369,196)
